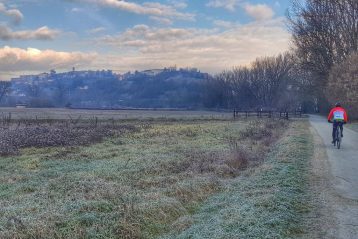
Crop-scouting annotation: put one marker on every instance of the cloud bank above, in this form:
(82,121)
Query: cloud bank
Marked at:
(210,50)
(16,60)
(148,8)
(42,33)
(259,12)
(14,14)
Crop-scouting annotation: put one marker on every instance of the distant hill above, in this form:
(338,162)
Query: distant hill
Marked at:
(157,88)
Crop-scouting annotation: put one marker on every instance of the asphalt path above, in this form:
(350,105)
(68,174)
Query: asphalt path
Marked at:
(343,169)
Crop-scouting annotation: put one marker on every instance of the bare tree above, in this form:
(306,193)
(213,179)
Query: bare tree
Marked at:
(61,93)
(269,78)
(217,91)
(243,96)
(343,85)
(324,32)
(5,87)
(33,90)
(262,85)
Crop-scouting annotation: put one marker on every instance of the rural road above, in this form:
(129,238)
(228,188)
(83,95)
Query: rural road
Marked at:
(343,170)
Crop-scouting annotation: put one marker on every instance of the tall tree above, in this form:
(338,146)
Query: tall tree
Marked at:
(269,78)
(324,32)
(343,85)
(265,84)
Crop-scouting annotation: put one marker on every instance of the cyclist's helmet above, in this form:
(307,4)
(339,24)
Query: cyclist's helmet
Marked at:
(338,104)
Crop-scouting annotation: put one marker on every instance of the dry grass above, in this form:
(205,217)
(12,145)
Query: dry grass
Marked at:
(15,136)
(66,114)
(271,200)
(136,184)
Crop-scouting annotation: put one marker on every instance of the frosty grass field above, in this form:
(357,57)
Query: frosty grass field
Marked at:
(152,174)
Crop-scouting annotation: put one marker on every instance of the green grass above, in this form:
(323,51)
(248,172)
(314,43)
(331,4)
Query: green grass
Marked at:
(270,201)
(181,177)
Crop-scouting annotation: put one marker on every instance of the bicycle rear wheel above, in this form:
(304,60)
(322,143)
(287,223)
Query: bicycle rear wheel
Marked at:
(338,137)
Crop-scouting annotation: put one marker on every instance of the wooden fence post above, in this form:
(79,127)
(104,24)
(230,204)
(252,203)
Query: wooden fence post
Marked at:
(269,114)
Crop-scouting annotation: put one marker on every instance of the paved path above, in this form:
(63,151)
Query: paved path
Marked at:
(343,168)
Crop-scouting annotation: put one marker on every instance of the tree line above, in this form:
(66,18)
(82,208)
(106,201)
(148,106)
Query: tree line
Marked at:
(320,69)
(325,35)
(270,82)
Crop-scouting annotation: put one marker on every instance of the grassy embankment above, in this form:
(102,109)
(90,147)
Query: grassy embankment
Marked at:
(185,178)
(272,200)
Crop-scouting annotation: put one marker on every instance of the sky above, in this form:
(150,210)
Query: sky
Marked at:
(126,35)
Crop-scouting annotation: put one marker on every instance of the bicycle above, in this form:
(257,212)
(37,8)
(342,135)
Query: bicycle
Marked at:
(338,135)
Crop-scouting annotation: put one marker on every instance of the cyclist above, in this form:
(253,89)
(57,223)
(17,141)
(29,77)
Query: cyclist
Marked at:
(339,116)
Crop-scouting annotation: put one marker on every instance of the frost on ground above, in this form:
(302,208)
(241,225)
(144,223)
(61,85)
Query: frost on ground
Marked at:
(150,180)
(269,201)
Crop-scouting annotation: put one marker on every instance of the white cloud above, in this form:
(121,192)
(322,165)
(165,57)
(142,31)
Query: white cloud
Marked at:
(162,20)
(42,33)
(148,8)
(76,10)
(224,24)
(141,35)
(209,50)
(259,12)
(31,59)
(227,4)
(181,4)
(15,14)
(96,30)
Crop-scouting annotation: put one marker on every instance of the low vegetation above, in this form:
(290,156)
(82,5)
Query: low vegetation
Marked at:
(268,201)
(148,180)
(16,136)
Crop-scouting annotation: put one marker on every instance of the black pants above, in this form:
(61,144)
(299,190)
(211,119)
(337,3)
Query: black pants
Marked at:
(335,125)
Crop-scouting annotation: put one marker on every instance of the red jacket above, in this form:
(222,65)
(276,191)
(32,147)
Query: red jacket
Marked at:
(339,114)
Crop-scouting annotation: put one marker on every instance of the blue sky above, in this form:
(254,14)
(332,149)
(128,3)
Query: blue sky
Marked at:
(213,35)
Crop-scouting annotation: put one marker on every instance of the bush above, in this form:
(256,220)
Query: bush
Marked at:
(343,85)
